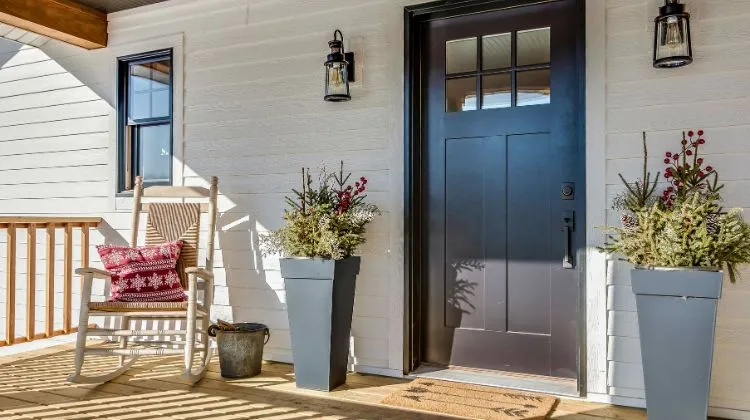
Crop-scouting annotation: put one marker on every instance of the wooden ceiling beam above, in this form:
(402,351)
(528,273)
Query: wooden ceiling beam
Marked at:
(64,20)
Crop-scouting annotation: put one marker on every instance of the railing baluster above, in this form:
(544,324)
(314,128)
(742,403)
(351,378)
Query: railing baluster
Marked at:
(10,301)
(68,281)
(30,280)
(50,289)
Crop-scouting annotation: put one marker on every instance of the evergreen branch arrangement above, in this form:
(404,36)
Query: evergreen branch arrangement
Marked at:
(327,220)
(684,227)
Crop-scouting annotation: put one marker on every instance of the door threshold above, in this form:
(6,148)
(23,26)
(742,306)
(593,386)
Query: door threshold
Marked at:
(498,379)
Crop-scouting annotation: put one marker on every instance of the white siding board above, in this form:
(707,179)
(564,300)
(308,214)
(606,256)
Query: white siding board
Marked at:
(49,98)
(623,324)
(20,72)
(11,56)
(54,159)
(624,349)
(53,144)
(60,175)
(56,128)
(39,84)
(95,108)
(626,375)
(620,298)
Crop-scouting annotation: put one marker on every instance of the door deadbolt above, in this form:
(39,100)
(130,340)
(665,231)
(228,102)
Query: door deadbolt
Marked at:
(568,191)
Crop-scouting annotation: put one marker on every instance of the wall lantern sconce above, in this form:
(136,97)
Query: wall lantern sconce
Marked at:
(672,43)
(339,70)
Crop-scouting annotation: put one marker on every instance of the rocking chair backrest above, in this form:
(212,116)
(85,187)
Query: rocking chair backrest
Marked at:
(169,221)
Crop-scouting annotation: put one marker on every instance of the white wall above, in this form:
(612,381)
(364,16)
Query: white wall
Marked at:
(712,94)
(253,115)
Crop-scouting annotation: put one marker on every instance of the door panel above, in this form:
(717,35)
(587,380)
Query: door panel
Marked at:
(501,106)
(529,234)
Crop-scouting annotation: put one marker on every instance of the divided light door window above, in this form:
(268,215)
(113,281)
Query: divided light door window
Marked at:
(145,108)
(510,69)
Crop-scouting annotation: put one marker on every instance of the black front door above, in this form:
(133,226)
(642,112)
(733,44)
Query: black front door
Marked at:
(503,190)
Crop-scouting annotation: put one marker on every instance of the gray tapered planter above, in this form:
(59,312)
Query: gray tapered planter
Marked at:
(320,300)
(677,319)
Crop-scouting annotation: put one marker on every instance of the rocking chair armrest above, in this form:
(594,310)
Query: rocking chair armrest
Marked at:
(201,273)
(93,272)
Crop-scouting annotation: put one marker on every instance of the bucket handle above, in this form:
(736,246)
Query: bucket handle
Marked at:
(211,331)
(213,328)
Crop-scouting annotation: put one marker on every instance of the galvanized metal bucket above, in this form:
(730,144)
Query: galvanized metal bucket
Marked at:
(241,351)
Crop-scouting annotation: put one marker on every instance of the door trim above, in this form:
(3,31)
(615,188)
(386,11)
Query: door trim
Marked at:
(414,18)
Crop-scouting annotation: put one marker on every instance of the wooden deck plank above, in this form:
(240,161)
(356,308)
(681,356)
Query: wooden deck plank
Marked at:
(34,386)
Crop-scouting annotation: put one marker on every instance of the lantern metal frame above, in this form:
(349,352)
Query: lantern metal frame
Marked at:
(339,55)
(673,9)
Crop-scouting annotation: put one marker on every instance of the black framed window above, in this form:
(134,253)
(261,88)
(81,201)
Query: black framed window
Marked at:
(145,110)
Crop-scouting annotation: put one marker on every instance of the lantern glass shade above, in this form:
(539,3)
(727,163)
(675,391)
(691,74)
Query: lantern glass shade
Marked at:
(337,81)
(672,43)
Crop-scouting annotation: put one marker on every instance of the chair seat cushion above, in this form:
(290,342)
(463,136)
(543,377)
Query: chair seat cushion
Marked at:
(143,274)
(140,306)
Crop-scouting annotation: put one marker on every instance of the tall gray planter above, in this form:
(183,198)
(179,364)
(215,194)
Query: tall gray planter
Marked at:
(677,319)
(320,300)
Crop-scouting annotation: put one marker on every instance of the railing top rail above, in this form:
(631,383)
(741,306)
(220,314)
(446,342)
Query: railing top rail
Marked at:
(54,220)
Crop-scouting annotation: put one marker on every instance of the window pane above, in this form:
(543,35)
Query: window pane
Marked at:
(533,46)
(154,158)
(496,91)
(460,55)
(533,87)
(461,94)
(496,51)
(149,90)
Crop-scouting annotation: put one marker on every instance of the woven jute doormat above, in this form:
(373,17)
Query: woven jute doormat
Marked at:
(472,401)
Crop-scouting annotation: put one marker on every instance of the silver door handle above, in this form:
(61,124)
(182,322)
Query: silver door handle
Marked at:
(568,225)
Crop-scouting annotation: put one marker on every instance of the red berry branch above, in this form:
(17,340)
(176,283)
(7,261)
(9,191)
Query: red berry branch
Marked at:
(685,170)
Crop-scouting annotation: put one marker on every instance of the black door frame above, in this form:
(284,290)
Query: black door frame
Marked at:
(414,18)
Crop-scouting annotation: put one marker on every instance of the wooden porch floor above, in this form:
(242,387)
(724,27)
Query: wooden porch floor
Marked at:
(33,386)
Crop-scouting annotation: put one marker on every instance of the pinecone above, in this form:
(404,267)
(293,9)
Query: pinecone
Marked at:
(712,224)
(629,221)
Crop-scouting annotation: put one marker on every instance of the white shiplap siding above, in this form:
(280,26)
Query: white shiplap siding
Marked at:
(713,93)
(253,115)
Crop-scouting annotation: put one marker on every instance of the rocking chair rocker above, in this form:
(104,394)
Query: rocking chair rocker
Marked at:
(167,221)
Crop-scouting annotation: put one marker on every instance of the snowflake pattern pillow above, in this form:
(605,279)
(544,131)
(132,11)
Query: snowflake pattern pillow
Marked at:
(144,274)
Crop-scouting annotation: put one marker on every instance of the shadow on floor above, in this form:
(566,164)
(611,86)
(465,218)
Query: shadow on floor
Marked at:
(35,388)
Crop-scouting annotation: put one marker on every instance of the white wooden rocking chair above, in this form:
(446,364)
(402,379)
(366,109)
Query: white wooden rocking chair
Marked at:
(167,222)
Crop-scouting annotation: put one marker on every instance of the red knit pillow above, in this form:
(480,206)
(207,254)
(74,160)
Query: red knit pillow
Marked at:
(144,274)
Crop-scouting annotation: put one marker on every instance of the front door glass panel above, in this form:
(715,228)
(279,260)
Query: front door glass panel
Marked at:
(510,69)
